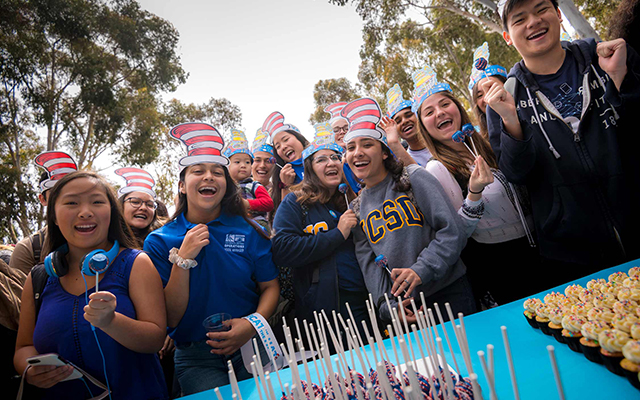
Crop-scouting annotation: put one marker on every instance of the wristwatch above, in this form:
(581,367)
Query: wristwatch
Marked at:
(185,264)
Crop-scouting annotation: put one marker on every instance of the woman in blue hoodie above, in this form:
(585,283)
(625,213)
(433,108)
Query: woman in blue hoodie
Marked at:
(313,236)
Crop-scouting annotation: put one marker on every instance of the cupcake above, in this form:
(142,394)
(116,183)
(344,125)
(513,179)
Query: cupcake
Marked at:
(589,340)
(530,311)
(635,331)
(631,363)
(606,300)
(581,309)
(596,284)
(618,278)
(571,332)
(625,307)
(573,291)
(611,342)
(634,271)
(587,296)
(629,293)
(600,313)
(623,322)
(542,318)
(555,322)
(632,282)
(551,299)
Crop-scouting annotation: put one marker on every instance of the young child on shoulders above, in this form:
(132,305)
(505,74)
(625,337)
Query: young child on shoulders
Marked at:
(256,197)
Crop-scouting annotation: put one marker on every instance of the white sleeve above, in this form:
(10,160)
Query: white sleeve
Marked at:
(469,212)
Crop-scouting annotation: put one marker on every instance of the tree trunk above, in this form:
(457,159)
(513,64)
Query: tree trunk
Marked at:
(577,20)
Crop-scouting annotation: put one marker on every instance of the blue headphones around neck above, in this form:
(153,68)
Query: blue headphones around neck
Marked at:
(95,262)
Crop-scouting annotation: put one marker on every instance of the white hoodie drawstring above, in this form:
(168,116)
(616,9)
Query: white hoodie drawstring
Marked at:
(535,111)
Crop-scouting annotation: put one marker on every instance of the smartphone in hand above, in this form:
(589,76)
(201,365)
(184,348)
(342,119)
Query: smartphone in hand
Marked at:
(56,360)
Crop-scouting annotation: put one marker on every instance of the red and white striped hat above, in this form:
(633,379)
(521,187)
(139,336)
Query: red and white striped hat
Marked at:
(138,180)
(363,115)
(274,124)
(57,164)
(334,109)
(204,144)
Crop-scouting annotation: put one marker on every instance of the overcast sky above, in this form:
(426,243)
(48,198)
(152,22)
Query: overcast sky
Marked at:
(263,56)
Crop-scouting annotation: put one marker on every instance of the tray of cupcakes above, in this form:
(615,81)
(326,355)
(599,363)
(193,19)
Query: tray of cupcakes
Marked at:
(601,320)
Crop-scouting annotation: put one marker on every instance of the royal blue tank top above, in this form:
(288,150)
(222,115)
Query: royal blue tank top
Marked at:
(62,329)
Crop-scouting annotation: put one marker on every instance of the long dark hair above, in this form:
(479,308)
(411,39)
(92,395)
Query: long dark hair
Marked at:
(276,193)
(455,164)
(141,234)
(311,190)
(118,228)
(481,115)
(232,202)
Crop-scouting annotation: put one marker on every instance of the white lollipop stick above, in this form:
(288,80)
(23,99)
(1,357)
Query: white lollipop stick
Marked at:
(424,361)
(433,356)
(312,349)
(233,380)
(295,321)
(446,336)
(490,363)
(97,280)
(218,395)
(474,146)
(556,371)
(395,352)
(336,344)
(367,379)
(272,394)
(320,355)
(260,374)
(384,380)
(273,362)
(306,366)
(353,328)
(295,373)
(335,322)
(255,378)
(485,368)
(470,151)
(337,390)
(374,325)
(445,369)
(512,371)
(373,349)
(406,328)
(477,392)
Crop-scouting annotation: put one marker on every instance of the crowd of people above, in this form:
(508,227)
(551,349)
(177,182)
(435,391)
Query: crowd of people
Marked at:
(414,200)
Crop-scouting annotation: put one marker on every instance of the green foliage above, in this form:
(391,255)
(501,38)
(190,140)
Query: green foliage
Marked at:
(329,91)
(598,13)
(88,75)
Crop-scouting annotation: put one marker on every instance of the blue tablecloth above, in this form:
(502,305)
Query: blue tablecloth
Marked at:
(581,378)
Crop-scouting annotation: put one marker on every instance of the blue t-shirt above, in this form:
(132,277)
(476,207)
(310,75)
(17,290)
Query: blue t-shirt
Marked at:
(349,275)
(225,279)
(564,90)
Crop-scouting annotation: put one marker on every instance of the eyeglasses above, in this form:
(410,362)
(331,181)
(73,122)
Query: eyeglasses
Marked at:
(325,159)
(338,129)
(137,203)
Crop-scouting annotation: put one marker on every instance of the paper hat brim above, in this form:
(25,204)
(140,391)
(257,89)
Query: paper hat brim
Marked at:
(129,189)
(402,106)
(265,148)
(310,150)
(203,159)
(231,151)
(491,70)
(336,119)
(377,134)
(440,87)
(50,183)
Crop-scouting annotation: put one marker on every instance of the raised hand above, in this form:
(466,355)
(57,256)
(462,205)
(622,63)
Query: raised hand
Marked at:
(287,175)
(612,57)
(101,309)
(480,177)
(348,221)
(391,128)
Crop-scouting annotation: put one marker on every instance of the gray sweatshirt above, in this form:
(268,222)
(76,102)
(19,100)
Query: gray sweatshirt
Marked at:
(428,239)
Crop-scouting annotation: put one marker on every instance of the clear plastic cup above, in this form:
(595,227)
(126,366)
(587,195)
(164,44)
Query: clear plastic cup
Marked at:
(217,322)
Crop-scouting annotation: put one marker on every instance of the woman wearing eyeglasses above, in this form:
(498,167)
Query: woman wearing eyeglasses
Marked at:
(313,236)
(138,200)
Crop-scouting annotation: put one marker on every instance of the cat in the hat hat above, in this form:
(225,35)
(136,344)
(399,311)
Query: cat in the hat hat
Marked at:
(212,259)
(139,202)
(339,125)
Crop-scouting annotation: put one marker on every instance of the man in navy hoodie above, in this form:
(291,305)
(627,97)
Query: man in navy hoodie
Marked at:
(562,125)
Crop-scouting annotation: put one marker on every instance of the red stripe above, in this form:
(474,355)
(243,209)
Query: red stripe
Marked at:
(62,165)
(198,139)
(180,130)
(204,151)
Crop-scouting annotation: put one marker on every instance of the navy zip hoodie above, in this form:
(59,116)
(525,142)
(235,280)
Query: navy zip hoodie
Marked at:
(583,185)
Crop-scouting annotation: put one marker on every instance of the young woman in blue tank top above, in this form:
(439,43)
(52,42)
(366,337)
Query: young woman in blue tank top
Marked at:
(127,314)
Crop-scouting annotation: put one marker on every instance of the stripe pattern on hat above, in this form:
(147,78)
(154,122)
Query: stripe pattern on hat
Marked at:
(137,180)
(57,164)
(204,143)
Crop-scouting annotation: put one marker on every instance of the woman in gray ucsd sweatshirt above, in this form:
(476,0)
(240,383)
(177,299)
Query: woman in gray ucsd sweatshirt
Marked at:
(405,216)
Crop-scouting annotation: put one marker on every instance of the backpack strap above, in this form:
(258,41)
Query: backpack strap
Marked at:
(36,245)
(39,279)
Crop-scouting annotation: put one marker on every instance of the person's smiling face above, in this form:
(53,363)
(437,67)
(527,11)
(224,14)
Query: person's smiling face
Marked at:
(440,117)
(289,148)
(534,28)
